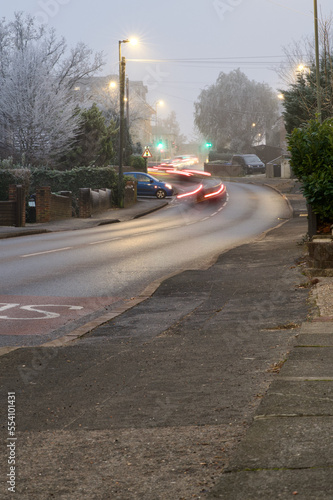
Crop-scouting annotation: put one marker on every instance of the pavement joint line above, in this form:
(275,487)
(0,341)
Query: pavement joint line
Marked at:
(290,415)
(238,470)
(303,346)
(306,379)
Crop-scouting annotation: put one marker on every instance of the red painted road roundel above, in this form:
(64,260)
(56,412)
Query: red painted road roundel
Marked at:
(26,315)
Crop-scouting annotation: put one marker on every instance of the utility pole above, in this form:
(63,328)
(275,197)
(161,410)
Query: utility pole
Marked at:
(121,130)
(317,62)
(127,102)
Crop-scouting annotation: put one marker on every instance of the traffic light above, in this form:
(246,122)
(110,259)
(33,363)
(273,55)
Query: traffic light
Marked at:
(160,144)
(208,144)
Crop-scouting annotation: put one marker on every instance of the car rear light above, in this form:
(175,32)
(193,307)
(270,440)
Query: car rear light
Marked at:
(216,193)
(190,193)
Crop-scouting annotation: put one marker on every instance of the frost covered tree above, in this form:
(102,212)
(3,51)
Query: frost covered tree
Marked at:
(38,118)
(235,112)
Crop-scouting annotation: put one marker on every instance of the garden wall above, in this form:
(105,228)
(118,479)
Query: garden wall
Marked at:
(12,212)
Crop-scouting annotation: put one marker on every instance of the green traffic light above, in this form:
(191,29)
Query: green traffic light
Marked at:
(209,144)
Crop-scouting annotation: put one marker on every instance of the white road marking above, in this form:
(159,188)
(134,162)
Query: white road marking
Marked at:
(47,314)
(47,251)
(104,241)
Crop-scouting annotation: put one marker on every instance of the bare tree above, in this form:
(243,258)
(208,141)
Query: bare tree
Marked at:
(299,73)
(300,55)
(37,100)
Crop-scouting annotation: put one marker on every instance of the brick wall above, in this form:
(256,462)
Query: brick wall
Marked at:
(84,203)
(50,206)
(43,204)
(12,212)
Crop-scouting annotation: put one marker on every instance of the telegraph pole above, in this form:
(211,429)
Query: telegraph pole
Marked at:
(317,62)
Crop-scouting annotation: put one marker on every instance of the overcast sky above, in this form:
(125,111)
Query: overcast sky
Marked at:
(201,37)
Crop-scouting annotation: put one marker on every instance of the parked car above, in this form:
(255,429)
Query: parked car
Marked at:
(251,163)
(150,186)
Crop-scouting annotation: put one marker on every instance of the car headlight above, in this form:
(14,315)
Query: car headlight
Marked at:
(168,186)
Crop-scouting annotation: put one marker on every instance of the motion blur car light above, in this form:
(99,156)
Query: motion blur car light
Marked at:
(200,172)
(190,193)
(216,193)
(179,172)
(168,186)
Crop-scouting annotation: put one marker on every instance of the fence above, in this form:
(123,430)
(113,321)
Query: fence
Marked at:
(92,201)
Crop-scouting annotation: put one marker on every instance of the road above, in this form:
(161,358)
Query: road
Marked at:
(51,279)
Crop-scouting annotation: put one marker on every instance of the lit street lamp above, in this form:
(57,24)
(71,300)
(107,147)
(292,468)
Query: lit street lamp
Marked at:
(157,103)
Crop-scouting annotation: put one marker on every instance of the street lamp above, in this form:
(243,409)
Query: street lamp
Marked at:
(122,69)
(158,103)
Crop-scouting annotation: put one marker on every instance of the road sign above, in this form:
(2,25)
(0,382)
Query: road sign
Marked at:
(146,153)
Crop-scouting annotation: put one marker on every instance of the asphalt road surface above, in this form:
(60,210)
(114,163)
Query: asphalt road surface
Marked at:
(52,279)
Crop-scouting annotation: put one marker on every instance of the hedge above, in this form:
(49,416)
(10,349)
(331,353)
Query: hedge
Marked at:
(67,180)
(311,148)
(13,176)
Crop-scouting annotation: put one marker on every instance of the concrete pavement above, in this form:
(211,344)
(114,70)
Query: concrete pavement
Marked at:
(219,385)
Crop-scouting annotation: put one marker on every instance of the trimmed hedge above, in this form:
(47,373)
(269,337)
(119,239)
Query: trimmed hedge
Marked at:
(67,180)
(311,148)
(221,157)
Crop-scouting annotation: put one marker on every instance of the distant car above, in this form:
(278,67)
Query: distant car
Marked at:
(150,186)
(251,163)
(193,159)
(185,160)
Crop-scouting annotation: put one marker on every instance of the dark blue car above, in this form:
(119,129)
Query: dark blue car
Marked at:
(150,186)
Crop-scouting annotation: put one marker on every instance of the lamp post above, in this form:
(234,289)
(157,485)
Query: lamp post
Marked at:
(122,66)
(157,103)
(122,70)
(317,60)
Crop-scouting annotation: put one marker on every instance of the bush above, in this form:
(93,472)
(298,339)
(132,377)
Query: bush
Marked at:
(73,180)
(221,157)
(13,176)
(58,180)
(311,148)
(138,163)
